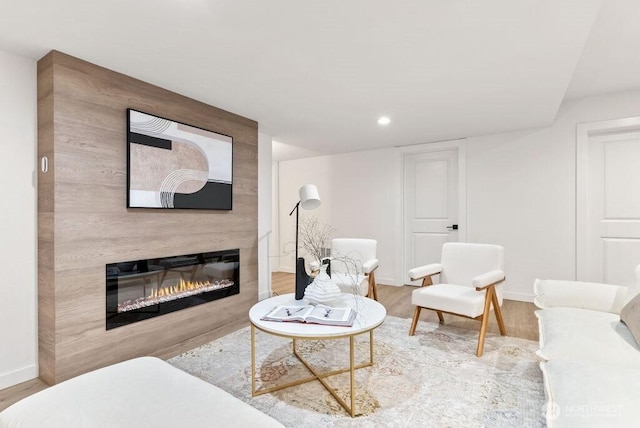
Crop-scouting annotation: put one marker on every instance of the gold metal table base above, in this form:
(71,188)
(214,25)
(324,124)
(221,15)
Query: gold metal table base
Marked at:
(351,409)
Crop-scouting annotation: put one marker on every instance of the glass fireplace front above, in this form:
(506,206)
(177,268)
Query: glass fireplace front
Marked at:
(141,289)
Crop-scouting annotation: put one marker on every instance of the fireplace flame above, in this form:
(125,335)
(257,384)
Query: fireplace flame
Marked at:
(180,287)
(172,292)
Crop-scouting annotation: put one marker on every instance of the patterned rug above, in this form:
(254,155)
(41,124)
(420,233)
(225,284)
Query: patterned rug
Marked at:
(432,379)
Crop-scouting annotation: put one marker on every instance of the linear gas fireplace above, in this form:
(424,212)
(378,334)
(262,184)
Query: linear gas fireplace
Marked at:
(141,289)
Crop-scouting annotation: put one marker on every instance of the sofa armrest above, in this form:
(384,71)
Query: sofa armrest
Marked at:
(583,295)
(486,279)
(370,265)
(426,270)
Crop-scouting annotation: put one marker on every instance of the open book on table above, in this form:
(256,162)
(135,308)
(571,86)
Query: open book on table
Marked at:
(312,314)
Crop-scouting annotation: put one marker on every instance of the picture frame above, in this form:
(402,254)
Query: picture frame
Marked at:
(173,165)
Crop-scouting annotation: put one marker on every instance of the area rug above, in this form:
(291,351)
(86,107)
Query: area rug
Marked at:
(432,379)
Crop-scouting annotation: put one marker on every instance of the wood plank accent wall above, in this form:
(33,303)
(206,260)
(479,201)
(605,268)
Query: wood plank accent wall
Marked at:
(83,222)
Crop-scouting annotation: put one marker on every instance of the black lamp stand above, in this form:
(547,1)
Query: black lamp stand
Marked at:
(302,279)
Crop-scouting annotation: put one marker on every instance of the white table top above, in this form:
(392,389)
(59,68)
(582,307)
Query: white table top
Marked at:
(370,314)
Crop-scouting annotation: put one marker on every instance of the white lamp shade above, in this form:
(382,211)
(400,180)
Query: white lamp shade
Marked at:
(309,197)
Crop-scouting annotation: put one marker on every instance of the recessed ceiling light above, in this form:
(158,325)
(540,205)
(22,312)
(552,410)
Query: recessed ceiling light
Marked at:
(384,120)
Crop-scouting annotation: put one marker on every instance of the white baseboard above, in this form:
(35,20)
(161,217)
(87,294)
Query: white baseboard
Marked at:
(286,269)
(521,297)
(18,376)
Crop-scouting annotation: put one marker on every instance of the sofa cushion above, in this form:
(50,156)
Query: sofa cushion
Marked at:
(585,295)
(457,299)
(582,334)
(584,394)
(143,392)
(630,315)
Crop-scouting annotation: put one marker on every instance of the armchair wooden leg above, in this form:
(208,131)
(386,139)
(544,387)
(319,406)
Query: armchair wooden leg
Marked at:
(485,321)
(414,323)
(373,292)
(440,317)
(498,311)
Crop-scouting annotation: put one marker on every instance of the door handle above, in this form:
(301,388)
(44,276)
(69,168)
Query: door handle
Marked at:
(453,227)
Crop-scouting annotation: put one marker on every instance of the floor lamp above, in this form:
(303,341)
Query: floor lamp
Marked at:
(309,200)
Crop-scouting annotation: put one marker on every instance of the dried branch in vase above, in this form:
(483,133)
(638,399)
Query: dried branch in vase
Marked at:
(314,238)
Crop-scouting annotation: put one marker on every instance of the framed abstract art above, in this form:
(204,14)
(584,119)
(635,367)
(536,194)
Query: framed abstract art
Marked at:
(173,165)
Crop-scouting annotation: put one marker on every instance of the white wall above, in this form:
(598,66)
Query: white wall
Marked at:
(265,200)
(274,239)
(18,300)
(520,193)
(357,191)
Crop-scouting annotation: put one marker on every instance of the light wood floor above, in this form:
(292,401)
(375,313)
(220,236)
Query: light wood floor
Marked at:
(518,317)
(10,395)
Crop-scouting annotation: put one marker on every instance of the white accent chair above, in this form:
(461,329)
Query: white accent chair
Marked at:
(470,282)
(352,262)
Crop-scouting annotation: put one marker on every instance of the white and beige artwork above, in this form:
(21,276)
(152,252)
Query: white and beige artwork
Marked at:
(173,165)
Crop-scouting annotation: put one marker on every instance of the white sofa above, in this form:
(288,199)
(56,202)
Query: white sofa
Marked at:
(143,392)
(591,360)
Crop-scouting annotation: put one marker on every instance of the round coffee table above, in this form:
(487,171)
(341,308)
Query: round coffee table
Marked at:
(370,314)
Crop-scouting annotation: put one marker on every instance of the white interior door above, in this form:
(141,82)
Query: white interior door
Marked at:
(611,195)
(430,206)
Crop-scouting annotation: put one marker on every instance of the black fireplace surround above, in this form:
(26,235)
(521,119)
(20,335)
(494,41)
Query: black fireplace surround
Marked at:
(141,289)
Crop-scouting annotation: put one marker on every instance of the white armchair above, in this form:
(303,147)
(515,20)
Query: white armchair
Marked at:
(352,262)
(470,283)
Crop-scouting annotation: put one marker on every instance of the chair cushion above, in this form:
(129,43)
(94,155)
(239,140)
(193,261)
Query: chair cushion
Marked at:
(461,262)
(586,394)
(583,334)
(457,299)
(348,283)
(356,251)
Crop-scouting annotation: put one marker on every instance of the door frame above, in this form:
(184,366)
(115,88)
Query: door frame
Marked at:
(460,145)
(584,131)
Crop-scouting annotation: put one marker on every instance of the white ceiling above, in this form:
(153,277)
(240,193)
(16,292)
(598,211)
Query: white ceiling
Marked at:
(317,74)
